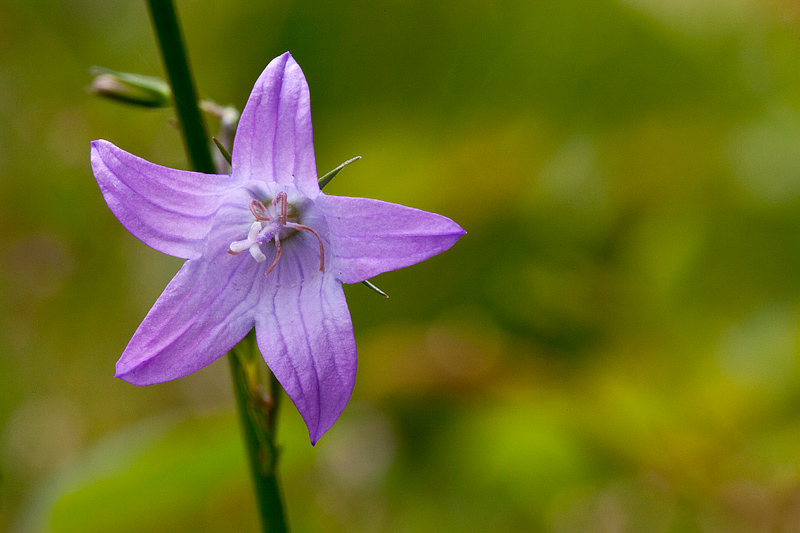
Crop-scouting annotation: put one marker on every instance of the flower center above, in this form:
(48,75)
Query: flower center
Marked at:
(272,223)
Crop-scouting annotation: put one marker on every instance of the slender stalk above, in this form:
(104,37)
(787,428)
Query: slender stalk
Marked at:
(257,409)
(170,39)
(258,416)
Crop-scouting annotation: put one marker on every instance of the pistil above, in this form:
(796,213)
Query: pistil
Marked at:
(270,221)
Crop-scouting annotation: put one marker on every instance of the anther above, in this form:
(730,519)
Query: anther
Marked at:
(278,256)
(258,210)
(279,218)
(321,248)
(281,199)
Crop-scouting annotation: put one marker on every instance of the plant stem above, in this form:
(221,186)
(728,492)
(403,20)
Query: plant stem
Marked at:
(257,410)
(195,138)
(258,415)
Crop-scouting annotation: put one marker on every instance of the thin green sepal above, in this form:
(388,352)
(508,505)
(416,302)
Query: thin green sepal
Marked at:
(224,151)
(369,284)
(326,179)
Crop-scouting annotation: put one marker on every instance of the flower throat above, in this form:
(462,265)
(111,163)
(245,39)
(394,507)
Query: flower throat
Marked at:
(271,222)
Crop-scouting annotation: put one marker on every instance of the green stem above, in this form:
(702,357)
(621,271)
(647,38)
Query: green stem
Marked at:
(195,138)
(257,410)
(258,415)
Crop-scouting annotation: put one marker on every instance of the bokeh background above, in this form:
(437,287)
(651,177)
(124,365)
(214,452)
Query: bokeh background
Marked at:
(613,346)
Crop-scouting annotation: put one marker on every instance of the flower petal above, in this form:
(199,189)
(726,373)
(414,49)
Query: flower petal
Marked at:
(204,311)
(306,337)
(167,209)
(369,237)
(274,139)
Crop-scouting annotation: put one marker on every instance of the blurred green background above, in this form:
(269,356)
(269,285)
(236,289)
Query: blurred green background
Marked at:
(613,346)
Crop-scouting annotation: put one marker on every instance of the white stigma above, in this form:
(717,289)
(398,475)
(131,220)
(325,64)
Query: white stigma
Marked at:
(251,243)
(270,222)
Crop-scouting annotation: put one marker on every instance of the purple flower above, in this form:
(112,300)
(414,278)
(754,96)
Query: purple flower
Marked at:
(265,248)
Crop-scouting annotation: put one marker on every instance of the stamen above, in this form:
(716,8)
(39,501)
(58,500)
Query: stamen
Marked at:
(278,256)
(258,210)
(321,248)
(281,199)
(260,234)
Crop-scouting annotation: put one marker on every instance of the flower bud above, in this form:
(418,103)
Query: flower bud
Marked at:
(134,89)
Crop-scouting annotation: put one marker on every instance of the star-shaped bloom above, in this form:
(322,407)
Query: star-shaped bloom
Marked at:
(265,248)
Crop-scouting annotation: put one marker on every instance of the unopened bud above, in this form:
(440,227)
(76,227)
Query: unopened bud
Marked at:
(134,89)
